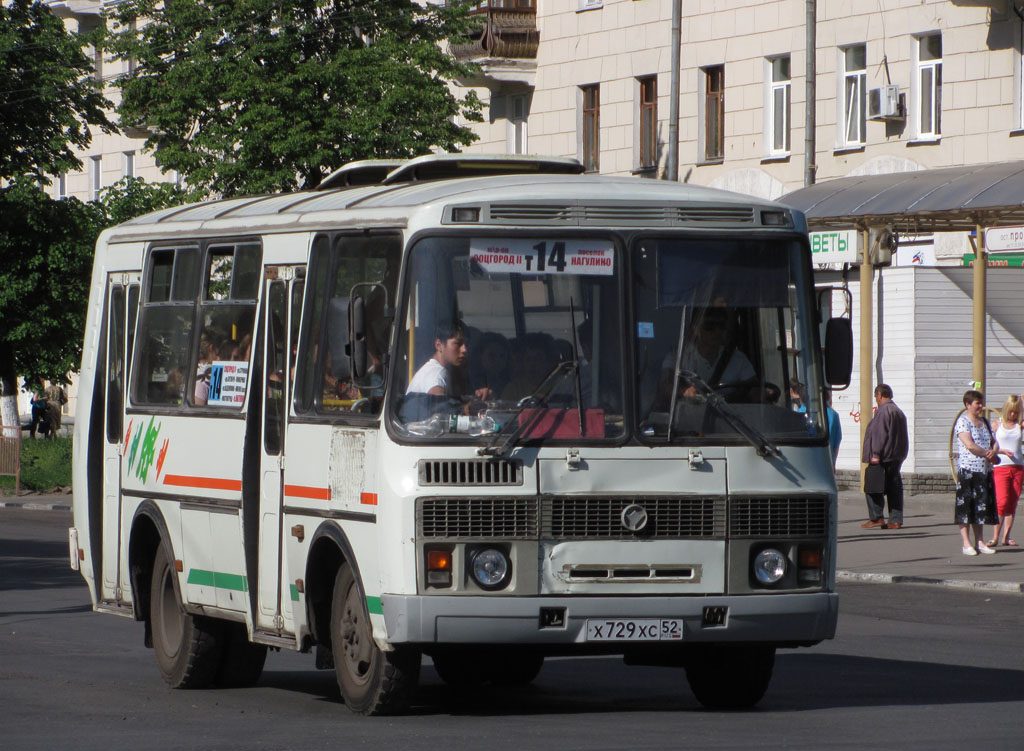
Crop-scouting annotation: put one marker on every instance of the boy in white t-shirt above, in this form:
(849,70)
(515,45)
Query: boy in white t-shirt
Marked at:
(434,377)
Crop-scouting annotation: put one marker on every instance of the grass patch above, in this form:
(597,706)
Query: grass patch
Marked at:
(45,465)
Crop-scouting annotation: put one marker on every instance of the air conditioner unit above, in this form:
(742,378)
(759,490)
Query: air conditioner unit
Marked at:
(884,103)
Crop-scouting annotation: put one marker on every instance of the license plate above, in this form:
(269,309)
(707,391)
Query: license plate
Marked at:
(634,629)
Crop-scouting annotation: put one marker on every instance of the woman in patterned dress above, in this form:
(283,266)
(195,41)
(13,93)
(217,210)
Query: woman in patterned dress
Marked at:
(975,491)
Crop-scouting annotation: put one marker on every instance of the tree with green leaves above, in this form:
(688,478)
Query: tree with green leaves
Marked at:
(272,95)
(48,94)
(49,98)
(46,254)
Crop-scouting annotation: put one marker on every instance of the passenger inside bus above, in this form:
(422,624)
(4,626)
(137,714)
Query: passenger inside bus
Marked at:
(435,376)
(536,355)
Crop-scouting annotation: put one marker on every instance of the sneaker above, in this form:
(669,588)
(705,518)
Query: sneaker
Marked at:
(971,551)
(983,548)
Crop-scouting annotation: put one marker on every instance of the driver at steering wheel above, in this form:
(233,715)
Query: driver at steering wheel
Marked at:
(708,352)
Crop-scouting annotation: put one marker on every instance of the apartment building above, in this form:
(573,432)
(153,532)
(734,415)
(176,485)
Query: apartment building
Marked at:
(110,157)
(900,85)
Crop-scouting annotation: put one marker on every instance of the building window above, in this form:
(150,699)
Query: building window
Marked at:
(128,166)
(929,86)
(62,186)
(854,66)
(714,112)
(517,116)
(648,121)
(591,109)
(96,176)
(779,100)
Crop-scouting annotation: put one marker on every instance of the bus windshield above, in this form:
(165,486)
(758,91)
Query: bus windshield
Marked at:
(517,334)
(724,340)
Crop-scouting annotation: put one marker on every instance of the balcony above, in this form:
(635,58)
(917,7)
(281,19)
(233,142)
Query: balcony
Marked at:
(507,33)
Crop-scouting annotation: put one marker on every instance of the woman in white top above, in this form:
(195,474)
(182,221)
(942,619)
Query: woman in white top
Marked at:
(1009,474)
(975,494)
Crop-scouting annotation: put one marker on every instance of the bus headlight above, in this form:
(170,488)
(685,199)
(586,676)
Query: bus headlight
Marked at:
(490,568)
(769,566)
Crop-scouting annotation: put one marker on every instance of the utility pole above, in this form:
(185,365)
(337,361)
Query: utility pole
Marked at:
(810,120)
(672,173)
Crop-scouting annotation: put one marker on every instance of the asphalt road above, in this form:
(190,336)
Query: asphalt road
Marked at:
(911,668)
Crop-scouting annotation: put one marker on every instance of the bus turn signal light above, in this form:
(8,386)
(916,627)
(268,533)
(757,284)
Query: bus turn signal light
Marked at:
(439,568)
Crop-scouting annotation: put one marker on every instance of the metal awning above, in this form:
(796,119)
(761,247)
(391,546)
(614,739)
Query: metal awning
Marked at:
(937,200)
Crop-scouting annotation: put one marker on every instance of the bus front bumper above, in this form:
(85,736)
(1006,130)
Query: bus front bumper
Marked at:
(781,619)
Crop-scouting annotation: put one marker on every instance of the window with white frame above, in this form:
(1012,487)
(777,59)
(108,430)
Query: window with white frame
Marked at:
(128,164)
(929,86)
(96,176)
(853,62)
(62,186)
(518,111)
(647,122)
(779,99)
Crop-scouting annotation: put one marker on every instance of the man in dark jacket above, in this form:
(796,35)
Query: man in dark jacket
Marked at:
(886,445)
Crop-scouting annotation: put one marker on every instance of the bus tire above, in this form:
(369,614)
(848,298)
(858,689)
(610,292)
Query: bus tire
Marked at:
(188,648)
(243,660)
(371,681)
(725,676)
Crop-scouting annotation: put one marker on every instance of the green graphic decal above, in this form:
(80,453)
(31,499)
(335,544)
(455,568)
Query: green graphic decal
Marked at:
(294,592)
(374,605)
(148,453)
(218,579)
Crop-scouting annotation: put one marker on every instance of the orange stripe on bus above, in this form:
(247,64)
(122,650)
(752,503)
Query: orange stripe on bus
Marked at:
(368,499)
(210,483)
(306,491)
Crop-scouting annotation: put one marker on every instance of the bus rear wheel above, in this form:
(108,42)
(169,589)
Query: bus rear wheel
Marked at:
(189,648)
(371,681)
(730,676)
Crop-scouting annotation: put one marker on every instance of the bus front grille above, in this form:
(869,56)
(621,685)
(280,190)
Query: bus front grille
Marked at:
(572,518)
(778,517)
(460,518)
(470,472)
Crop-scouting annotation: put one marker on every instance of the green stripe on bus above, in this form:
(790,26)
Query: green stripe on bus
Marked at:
(217,579)
(295,592)
(374,605)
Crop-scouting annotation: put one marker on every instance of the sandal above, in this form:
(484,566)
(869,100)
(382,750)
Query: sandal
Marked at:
(1010,543)
(992,543)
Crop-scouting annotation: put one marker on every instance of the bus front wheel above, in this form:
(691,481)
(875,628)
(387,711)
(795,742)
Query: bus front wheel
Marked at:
(724,676)
(371,681)
(188,647)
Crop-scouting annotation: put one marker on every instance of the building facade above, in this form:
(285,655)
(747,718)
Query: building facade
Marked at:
(899,85)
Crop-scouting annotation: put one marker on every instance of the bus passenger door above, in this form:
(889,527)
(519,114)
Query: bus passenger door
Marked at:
(283,294)
(122,308)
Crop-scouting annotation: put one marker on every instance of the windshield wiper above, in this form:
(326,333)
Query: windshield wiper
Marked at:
(761,444)
(503,442)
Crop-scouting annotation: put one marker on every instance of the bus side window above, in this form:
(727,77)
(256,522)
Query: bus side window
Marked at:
(227,317)
(363,268)
(165,328)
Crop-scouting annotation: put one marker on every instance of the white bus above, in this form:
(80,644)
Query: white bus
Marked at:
(487,410)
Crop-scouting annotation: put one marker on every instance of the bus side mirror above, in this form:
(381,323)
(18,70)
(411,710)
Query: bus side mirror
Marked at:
(357,338)
(838,352)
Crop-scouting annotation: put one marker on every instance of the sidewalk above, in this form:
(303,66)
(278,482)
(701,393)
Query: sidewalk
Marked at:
(927,550)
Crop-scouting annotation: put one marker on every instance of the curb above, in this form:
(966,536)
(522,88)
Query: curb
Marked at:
(985,586)
(29,506)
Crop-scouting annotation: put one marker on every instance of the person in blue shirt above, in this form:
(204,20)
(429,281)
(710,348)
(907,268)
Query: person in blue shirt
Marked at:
(835,429)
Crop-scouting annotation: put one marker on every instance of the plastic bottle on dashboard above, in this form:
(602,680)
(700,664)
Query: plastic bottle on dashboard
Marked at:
(437,425)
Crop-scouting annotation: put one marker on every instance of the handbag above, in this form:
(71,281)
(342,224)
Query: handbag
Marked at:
(874,479)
